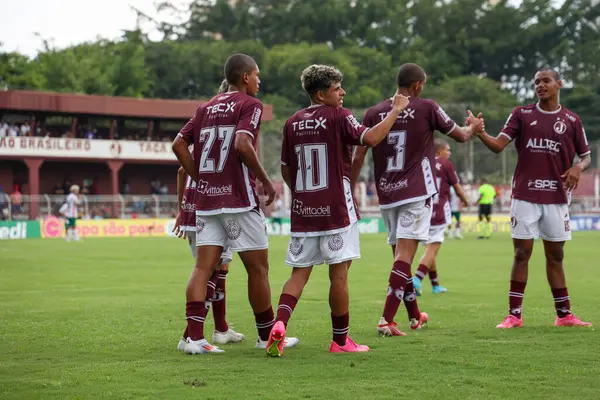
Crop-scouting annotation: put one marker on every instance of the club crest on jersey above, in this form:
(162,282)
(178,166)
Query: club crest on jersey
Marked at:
(560,127)
(406,219)
(296,247)
(233,229)
(199,225)
(335,243)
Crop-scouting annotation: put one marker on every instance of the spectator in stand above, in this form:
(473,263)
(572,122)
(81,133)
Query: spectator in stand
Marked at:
(3,129)
(155,186)
(3,205)
(16,198)
(13,130)
(90,134)
(25,129)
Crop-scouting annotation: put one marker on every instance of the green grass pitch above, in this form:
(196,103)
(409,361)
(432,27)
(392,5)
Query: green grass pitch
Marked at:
(101,319)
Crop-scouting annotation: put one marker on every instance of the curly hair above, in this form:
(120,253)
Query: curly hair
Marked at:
(319,77)
(408,74)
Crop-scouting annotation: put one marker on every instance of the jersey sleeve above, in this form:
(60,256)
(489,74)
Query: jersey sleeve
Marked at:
(581,144)
(452,176)
(250,118)
(285,157)
(442,121)
(512,126)
(187,132)
(353,131)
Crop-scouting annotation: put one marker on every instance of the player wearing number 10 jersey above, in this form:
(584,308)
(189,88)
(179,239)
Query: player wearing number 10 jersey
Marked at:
(405,182)
(316,156)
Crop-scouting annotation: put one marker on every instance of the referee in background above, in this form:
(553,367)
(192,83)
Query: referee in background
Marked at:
(487,193)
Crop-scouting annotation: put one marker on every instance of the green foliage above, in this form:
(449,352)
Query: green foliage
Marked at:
(457,43)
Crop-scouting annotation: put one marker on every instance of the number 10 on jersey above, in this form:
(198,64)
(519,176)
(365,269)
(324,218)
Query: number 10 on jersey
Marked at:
(312,167)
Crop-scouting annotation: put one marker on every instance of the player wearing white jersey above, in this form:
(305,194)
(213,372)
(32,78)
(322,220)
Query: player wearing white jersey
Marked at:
(70,211)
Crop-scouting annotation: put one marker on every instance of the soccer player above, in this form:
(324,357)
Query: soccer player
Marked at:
(446,178)
(316,157)
(185,227)
(456,208)
(70,211)
(403,165)
(547,137)
(224,131)
(487,194)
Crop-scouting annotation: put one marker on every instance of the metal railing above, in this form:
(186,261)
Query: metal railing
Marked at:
(165,206)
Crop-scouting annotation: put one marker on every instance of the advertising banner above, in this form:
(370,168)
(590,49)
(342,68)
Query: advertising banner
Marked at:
(86,148)
(14,230)
(53,227)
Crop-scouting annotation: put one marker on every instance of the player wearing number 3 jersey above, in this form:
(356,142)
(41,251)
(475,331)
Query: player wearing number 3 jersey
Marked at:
(405,180)
(316,157)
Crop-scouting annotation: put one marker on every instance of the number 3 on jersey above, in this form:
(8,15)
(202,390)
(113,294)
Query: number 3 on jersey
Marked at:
(208,136)
(312,167)
(398,140)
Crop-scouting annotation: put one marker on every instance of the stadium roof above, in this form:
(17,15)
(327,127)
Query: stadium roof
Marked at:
(50,103)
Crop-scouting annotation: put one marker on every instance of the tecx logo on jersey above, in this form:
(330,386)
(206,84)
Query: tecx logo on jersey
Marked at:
(204,188)
(309,124)
(221,108)
(404,115)
(560,127)
(543,145)
(299,208)
(384,186)
(545,185)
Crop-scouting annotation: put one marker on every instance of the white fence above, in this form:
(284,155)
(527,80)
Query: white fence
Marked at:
(165,206)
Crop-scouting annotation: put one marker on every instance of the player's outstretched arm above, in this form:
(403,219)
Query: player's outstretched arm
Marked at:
(377,133)
(180,148)
(495,144)
(473,126)
(243,146)
(358,159)
(461,194)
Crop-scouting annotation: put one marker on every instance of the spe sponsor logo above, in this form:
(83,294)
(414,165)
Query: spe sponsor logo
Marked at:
(545,185)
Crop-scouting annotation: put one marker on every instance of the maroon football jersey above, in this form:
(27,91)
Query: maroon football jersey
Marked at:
(446,177)
(547,143)
(188,205)
(317,147)
(225,185)
(403,161)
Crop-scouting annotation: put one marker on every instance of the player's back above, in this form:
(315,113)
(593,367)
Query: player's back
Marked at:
(72,203)
(315,147)
(404,161)
(225,185)
(446,177)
